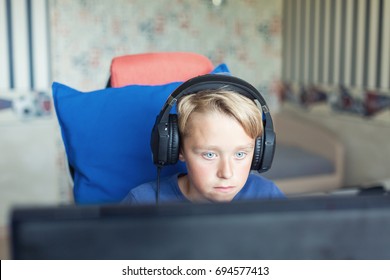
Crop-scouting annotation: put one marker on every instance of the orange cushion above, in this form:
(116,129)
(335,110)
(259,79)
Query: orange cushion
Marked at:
(158,68)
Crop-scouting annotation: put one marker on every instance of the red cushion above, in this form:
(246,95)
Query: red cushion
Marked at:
(158,68)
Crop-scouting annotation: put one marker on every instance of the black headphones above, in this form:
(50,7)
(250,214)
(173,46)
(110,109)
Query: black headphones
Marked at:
(165,134)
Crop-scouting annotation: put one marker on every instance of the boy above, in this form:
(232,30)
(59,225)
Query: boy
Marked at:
(218,129)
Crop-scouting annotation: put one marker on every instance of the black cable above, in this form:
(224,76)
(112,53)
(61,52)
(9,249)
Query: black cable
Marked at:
(158,185)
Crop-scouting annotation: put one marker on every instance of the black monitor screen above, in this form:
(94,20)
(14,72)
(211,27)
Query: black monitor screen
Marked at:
(305,228)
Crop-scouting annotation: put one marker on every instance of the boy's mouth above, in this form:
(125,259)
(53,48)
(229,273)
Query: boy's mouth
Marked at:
(224,189)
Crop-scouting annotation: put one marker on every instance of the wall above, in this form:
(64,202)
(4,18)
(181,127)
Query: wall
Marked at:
(244,34)
(335,43)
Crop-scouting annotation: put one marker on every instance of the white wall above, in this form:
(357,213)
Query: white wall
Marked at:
(244,34)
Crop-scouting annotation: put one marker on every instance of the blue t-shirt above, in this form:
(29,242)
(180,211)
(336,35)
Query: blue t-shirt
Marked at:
(256,187)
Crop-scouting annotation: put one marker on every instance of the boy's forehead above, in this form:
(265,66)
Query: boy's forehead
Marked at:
(214,128)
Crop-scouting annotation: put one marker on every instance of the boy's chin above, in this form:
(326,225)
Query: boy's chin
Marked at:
(222,199)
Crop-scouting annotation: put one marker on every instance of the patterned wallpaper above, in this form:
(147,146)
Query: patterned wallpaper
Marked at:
(87,34)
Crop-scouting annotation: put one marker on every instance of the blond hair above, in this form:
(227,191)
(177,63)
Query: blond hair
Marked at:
(227,102)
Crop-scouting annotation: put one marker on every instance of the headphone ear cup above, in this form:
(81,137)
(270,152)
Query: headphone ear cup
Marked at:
(257,154)
(268,145)
(173,141)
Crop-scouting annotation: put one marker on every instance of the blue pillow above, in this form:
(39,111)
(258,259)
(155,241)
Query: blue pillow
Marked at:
(106,134)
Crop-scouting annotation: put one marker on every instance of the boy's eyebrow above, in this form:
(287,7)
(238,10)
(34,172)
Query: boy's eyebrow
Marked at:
(212,147)
(246,147)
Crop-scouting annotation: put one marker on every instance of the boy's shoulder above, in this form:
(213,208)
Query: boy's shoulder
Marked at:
(146,193)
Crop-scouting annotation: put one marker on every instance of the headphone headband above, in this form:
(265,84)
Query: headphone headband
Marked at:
(215,81)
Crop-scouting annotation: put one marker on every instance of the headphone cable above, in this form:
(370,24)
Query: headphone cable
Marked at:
(158,185)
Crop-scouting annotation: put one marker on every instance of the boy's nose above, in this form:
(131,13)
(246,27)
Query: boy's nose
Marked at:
(225,169)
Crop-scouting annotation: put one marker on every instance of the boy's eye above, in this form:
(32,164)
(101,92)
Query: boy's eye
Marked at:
(209,155)
(241,155)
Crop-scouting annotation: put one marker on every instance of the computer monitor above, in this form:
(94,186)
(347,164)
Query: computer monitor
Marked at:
(341,227)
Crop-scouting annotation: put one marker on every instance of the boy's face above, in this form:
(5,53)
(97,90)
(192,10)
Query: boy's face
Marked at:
(218,154)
